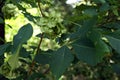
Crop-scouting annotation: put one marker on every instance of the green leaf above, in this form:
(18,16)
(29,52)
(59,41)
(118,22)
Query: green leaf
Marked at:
(113,25)
(115,34)
(88,52)
(100,46)
(115,10)
(61,61)
(43,57)
(90,12)
(116,68)
(13,61)
(86,27)
(24,53)
(1,20)
(99,1)
(4,47)
(104,7)
(114,42)
(23,35)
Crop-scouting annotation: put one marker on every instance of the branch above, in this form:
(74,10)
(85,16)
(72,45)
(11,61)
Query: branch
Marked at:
(37,51)
(39,6)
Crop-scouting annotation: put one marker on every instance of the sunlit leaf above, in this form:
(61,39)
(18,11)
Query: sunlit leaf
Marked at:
(13,61)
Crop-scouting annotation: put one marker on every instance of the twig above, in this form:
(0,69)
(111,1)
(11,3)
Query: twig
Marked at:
(33,62)
(42,14)
(37,52)
(39,43)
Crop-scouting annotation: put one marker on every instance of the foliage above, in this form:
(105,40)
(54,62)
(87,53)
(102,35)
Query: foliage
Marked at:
(87,37)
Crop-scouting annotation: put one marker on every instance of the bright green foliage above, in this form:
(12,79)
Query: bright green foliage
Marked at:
(86,36)
(9,10)
(13,60)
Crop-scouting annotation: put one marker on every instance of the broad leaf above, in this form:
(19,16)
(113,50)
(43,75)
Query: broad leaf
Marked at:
(13,61)
(4,47)
(99,1)
(86,27)
(113,25)
(87,52)
(1,20)
(24,53)
(90,12)
(100,46)
(114,42)
(104,7)
(115,34)
(116,68)
(61,61)
(23,35)
(43,57)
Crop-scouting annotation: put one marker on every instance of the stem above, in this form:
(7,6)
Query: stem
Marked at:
(40,9)
(37,51)
(39,43)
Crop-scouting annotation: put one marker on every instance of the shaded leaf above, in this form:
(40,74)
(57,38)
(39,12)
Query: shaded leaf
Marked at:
(114,42)
(84,30)
(88,52)
(23,35)
(99,1)
(113,25)
(43,57)
(100,46)
(60,61)
(24,53)
(115,34)
(104,7)
(90,12)
(1,20)
(116,68)
(4,47)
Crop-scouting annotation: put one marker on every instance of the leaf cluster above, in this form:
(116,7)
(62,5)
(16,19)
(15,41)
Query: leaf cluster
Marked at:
(89,35)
